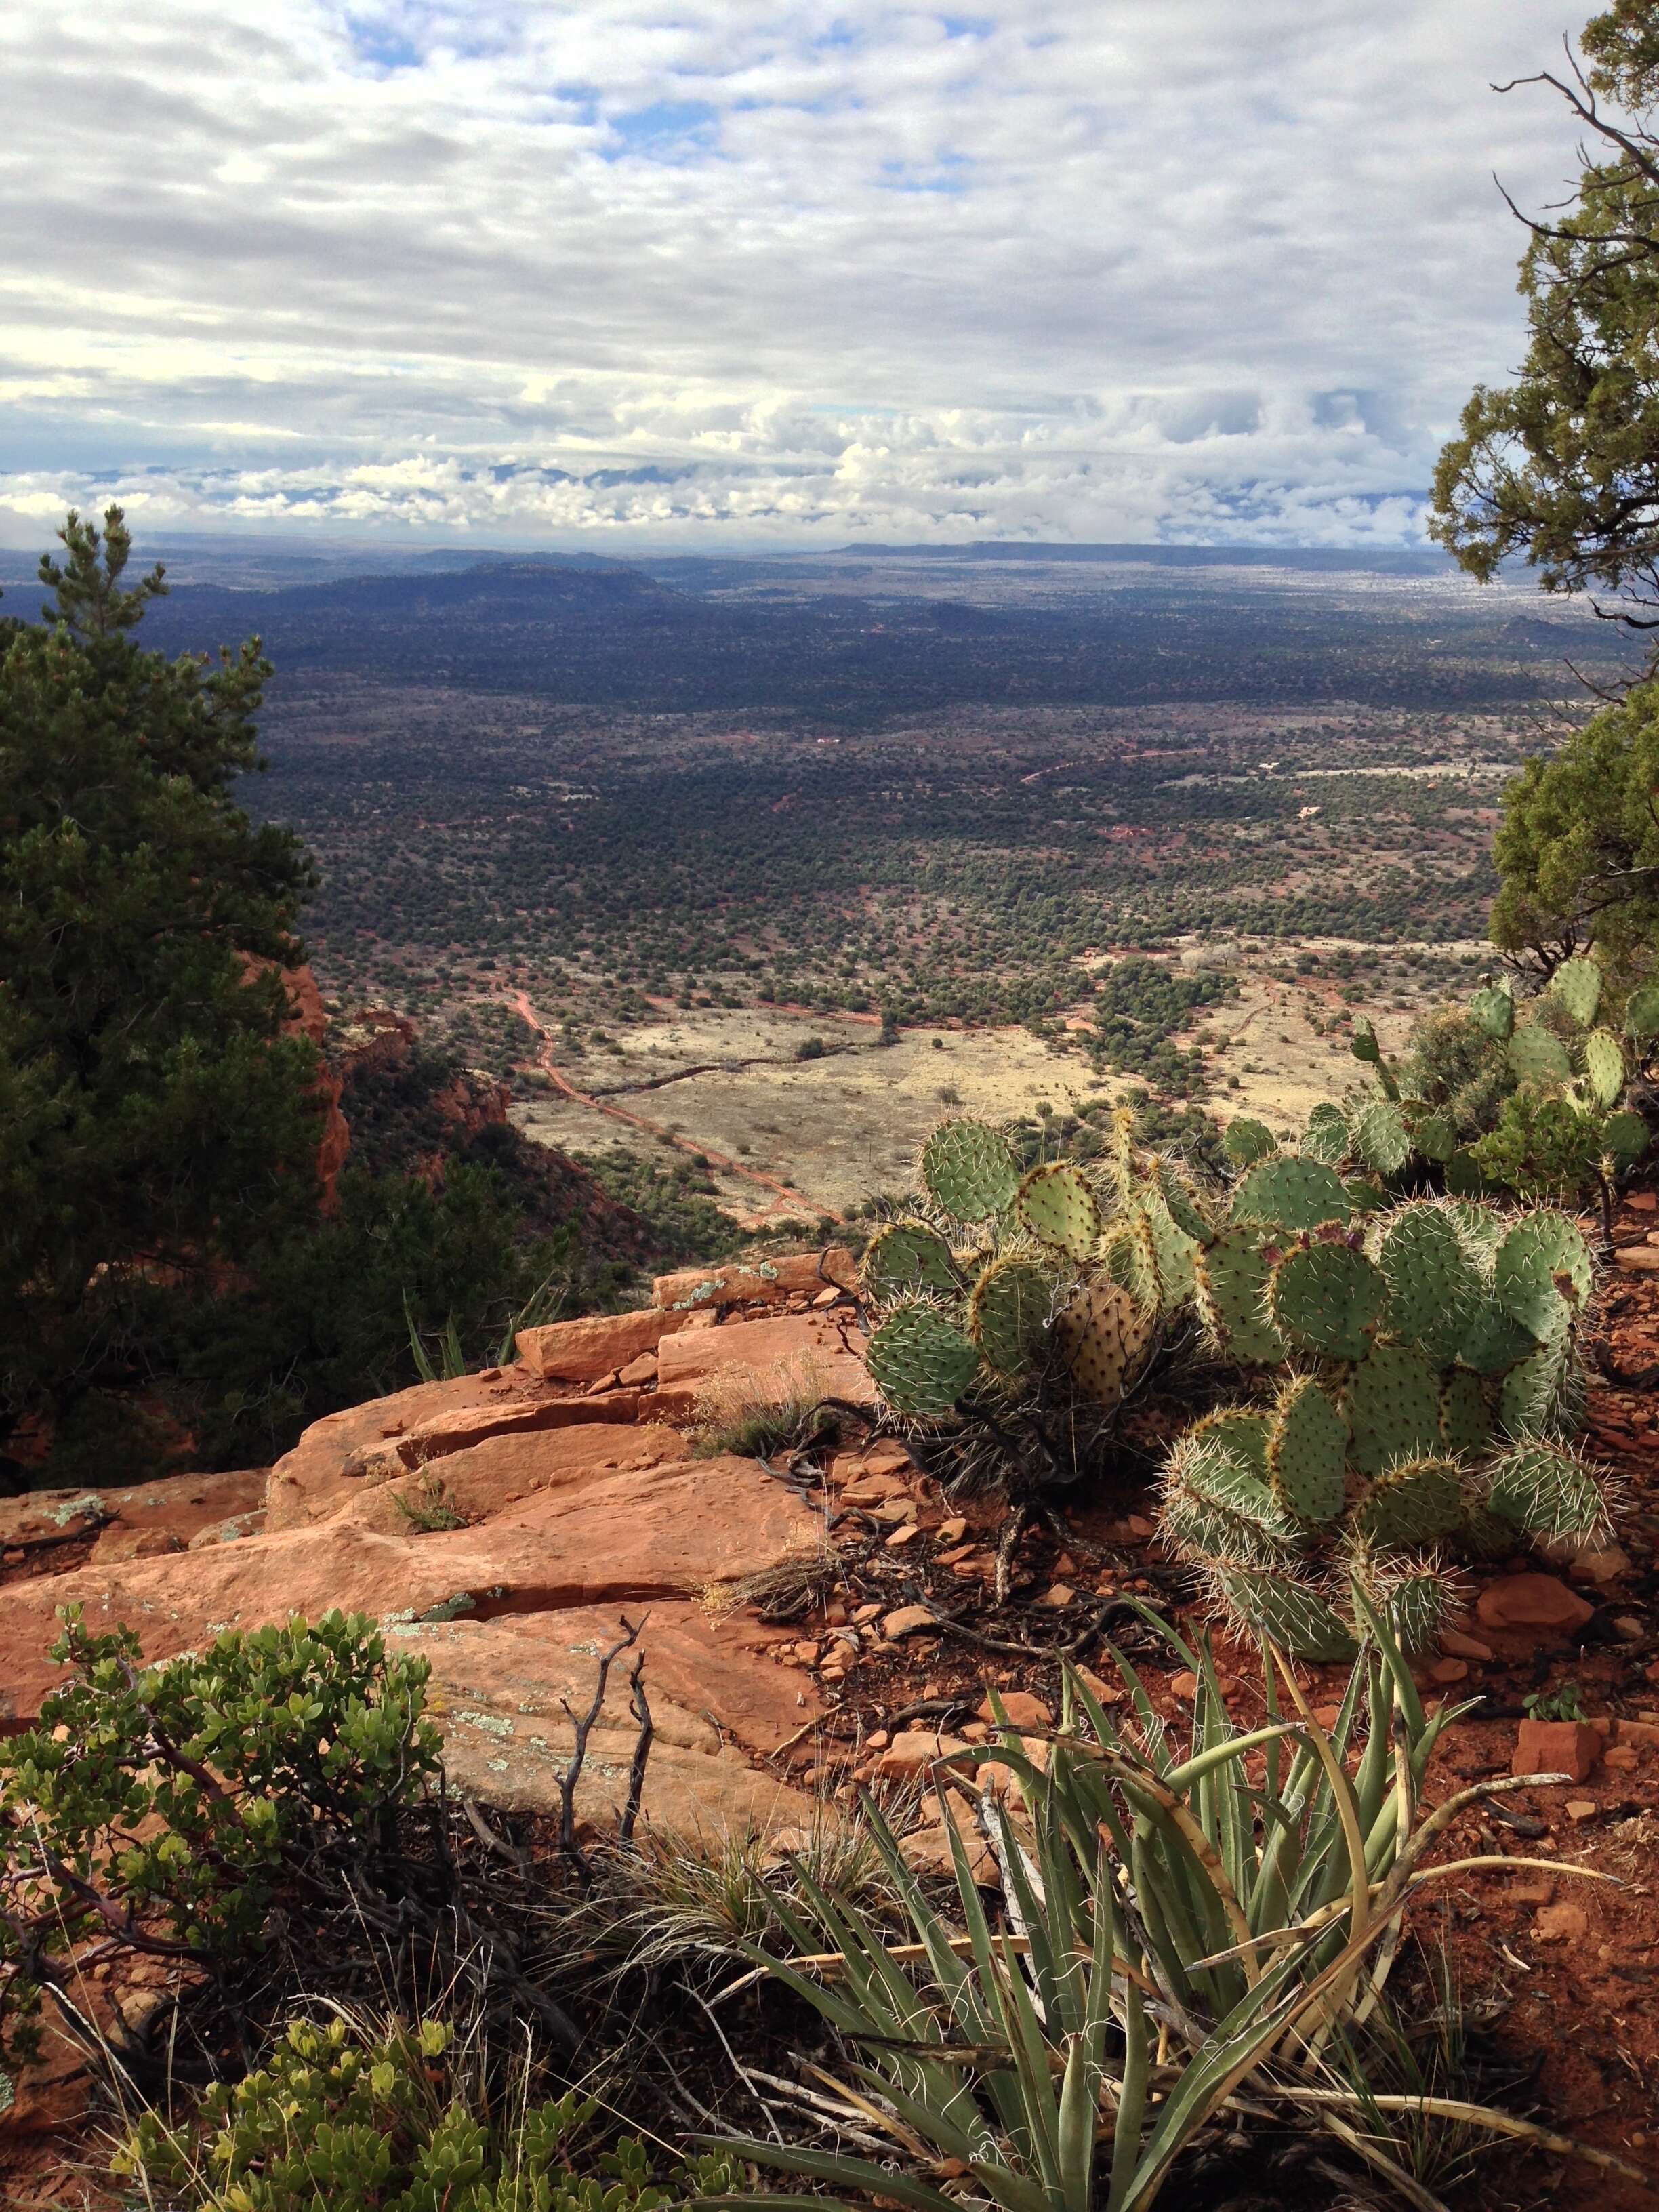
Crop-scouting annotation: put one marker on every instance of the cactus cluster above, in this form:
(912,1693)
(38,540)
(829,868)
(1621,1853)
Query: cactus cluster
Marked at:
(1429,1384)
(1005,1278)
(1563,1125)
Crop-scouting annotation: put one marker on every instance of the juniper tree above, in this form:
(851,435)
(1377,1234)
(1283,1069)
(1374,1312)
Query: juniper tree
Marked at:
(155,1120)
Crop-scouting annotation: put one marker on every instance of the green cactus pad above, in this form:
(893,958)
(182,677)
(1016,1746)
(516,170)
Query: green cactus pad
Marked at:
(1379,1137)
(1494,1340)
(1577,984)
(1327,1136)
(1291,1193)
(1058,1207)
(1180,1193)
(1305,1453)
(1604,1067)
(1232,1299)
(920,1364)
(1174,1253)
(1539,1396)
(1205,1468)
(1131,1259)
(1413,1502)
(1008,1314)
(1286,1612)
(1493,1010)
(1538,1055)
(1625,1140)
(1199,1532)
(970,1170)
(1393,1407)
(1547,1493)
(1365,1193)
(1434,1137)
(1104,1338)
(1541,1272)
(1416,1607)
(1247,1141)
(1641,1013)
(1328,1299)
(1433,1282)
(1463,1175)
(1242,1434)
(1362,1044)
(1466,1423)
(1481,1227)
(903,1258)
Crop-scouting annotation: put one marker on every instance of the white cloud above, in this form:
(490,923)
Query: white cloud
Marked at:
(753,270)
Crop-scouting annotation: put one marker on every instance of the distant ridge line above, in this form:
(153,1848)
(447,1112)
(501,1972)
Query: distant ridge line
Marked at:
(1425,560)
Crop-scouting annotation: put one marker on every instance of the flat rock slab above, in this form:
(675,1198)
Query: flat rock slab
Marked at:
(580,1526)
(742,1282)
(780,1348)
(181,1508)
(499,1689)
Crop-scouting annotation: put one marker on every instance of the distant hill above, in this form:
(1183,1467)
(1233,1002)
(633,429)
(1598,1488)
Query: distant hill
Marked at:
(1425,561)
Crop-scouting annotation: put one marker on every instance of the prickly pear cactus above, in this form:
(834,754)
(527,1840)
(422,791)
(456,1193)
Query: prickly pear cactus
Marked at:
(921,1362)
(1060,1277)
(969,1171)
(1430,1390)
(1056,1204)
(1559,1128)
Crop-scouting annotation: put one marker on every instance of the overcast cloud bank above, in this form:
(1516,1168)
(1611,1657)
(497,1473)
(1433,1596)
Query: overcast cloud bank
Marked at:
(731,273)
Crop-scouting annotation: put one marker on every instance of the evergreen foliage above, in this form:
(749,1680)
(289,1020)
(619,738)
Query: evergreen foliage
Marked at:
(155,1120)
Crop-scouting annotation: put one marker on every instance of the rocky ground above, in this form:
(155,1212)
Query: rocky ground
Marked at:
(505,1524)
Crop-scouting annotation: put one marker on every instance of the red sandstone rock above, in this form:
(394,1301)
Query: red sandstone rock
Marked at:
(498,1685)
(1568,1748)
(783,1349)
(737,1282)
(186,1506)
(589,1350)
(1561,1923)
(909,1620)
(1531,1601)
(914,1753)
(1463,1647)
(927,1851)
(1022,1709)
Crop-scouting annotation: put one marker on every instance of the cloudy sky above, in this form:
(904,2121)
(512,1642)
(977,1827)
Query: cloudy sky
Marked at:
(746,272)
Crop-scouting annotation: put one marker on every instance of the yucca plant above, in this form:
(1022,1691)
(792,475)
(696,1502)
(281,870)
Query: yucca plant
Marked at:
(1176,1927)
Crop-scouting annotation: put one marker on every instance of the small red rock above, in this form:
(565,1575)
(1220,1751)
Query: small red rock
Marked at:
(1184,1685)
(1568,1748)
(1561,1923)
(1024,1711)
(1531,1601)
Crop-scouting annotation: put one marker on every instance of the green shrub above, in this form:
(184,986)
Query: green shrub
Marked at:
(170,1807)
(1524,1096)
(338,2121)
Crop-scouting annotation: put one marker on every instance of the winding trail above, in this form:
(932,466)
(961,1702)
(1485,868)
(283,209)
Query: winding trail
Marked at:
(600,1104)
